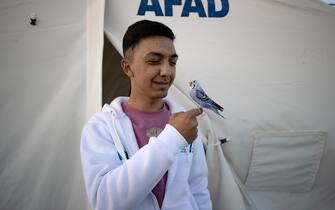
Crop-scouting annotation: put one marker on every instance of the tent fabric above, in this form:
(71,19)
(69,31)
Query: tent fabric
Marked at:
(270,63)
(95,42)
(42,104)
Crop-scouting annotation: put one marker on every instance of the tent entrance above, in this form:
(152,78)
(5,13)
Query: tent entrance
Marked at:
(114,82)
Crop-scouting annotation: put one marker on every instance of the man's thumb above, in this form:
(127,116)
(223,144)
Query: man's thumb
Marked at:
(176,114)
(195,112)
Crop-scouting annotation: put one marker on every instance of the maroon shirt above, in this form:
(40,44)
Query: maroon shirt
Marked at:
(146,125)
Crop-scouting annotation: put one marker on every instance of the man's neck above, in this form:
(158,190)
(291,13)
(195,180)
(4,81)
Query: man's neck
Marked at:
(145,104)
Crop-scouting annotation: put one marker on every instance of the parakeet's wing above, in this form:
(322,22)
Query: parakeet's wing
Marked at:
(203,97)
(198,87)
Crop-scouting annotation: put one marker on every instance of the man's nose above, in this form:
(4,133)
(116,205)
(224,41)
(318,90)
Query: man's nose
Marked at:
(166,69)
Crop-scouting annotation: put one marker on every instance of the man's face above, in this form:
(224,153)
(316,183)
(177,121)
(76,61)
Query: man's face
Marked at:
(152,67)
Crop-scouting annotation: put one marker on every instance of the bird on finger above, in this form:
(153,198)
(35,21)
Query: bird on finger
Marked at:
(201,98)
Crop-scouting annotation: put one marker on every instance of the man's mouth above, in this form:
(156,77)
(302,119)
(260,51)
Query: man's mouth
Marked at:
(161,82)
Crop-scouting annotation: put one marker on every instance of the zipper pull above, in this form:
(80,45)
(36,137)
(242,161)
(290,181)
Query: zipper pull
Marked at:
(188,152)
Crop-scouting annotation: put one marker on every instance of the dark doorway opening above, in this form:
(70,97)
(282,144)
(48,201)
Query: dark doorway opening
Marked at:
(114,82)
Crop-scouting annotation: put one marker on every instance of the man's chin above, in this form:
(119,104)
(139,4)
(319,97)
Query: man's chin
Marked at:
(160,95)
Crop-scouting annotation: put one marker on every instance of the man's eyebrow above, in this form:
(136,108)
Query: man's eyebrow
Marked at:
(161,55)
(174,56)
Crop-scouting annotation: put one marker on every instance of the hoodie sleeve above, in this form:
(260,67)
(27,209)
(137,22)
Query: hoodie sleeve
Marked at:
(198,179)
(116,186)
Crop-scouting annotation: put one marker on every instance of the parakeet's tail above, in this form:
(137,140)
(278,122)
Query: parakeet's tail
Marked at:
(221,115)
(218,106)
(217,112)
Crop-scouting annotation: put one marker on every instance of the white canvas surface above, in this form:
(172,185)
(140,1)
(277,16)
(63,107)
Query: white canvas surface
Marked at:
(270,63)
(42,104)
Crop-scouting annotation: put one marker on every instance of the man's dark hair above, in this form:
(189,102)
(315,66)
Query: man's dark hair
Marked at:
(143,29)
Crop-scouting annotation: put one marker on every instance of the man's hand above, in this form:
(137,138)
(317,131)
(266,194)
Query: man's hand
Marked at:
(186,123)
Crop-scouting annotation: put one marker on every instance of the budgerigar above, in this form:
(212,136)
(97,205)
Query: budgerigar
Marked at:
(200,97)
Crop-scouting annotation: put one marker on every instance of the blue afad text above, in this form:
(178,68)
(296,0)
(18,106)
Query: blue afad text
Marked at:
(189,6)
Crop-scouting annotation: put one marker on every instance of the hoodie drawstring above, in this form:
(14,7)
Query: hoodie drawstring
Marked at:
(119,147)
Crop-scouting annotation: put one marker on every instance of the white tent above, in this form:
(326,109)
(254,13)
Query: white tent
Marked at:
(270,63)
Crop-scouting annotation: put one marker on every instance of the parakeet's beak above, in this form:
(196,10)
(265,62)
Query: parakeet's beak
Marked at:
(190,83)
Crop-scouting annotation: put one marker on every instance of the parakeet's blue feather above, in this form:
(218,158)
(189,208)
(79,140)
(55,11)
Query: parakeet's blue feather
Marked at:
(201,98)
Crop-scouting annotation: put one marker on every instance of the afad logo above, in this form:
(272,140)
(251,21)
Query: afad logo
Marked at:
(189,6)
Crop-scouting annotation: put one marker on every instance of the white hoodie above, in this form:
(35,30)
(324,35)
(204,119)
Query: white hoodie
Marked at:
(114,182)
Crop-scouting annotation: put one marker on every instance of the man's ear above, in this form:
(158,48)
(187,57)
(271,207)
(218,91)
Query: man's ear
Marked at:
(125,65)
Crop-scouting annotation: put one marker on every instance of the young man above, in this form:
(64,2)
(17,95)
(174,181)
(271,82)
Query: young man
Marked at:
(142,152)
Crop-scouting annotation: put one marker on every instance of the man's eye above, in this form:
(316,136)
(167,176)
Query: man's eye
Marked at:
(153,62)
(173,63)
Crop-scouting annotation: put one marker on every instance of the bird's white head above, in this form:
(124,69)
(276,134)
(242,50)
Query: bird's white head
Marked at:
(193,84)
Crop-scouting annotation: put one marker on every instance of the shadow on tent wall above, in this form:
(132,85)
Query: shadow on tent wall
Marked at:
(114,82)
